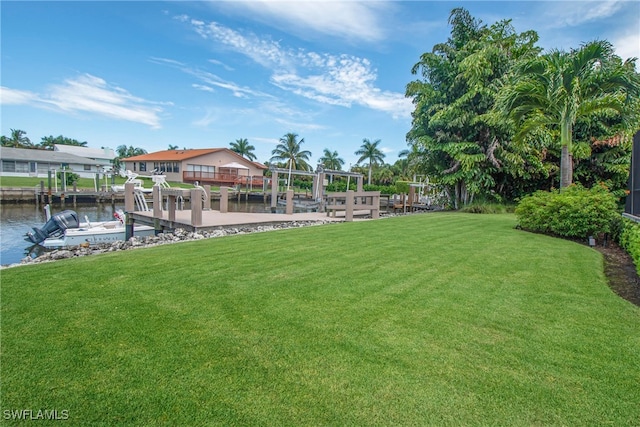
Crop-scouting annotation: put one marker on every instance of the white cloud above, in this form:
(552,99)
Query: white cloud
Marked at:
(576,13)
(10,96)
(628,45)
(350,20)
(222,64)
(345,81)
(264,52)
(329,79)
(202,88)
(90,94)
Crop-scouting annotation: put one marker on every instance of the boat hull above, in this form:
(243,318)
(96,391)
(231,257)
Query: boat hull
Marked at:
(92,236)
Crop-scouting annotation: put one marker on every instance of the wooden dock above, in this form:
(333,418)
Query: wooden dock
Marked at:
(213,219)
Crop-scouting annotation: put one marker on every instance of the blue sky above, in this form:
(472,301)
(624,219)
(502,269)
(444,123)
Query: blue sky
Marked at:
(203,74)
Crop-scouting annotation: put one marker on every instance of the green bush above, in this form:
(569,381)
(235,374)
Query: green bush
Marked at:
(402,187)
(69,177)
(575,212)
(487,208)
(630,240)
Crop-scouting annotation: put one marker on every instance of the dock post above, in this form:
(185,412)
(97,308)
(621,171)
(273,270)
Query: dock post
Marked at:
(274,190)
(129,206)
(224,199)
(171,208)
(348,214)
(196,207)
(42,192)
(289,202)
(49,186)
(375,201)
(128,229)
(157,202)
(129,200)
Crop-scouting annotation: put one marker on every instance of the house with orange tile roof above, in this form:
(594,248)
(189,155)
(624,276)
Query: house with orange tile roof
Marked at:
(214,166)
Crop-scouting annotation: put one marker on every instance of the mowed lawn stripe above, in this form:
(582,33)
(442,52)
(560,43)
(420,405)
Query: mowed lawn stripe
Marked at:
(426,319)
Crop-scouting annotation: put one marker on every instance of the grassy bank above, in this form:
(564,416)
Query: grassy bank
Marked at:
(82,184)
(437,319)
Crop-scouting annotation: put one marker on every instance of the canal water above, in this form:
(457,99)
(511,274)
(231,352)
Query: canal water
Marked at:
(18,219)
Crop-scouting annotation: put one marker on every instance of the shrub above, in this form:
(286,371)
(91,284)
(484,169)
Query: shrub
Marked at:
(402,187)
(630,240)
(69,177)
(575,212)
(487,208)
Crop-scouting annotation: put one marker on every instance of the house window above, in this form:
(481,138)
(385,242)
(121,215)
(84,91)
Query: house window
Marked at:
(87,167)
(22,167)
(176,167)
(8,166)
(143,166)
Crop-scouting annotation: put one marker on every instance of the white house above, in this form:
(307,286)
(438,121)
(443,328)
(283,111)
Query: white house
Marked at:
(103,156)
(38,163)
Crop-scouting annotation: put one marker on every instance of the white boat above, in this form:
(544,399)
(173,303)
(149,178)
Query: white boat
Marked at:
(309,205)
(63,230)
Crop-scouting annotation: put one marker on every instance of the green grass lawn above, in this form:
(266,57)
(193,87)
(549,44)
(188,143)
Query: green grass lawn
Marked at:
(82,184)
(435,319)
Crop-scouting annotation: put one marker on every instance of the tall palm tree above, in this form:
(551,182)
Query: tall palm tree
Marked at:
(553,91)
(242,147)
(18,139)
(123,152)
(370,151)
(288,150)
(331,160)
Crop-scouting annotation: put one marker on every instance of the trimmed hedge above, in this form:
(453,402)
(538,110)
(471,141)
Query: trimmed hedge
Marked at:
(630,240)
(574,212)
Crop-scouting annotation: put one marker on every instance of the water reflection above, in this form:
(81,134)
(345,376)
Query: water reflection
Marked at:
(17,219)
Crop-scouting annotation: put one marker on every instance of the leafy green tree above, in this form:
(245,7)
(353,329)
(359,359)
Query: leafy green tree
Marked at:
(123,152)
(48,142)
(242,147)
(384,175)
(65,175)
(289,150)
(331,160)
(463,144)
(18,139)
(370,152)
(552,92)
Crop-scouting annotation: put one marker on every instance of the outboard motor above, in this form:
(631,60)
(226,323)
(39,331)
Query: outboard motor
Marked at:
(55,226)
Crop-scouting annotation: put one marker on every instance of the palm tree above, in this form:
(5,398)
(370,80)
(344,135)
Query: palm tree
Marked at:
(49,142)
(18,139)
(242,147)
(369,151)
(553,91)
(172,147)
(330,160)
(123,152)
(288,150)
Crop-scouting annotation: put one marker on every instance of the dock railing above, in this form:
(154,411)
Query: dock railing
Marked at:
(351,201)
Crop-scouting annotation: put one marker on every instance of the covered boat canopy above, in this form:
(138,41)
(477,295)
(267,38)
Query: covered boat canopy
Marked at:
(234,165)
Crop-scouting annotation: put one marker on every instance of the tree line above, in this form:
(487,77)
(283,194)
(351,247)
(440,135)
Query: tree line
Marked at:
(496,118)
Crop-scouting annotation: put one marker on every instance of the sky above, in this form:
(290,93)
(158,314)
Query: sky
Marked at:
(151,74)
